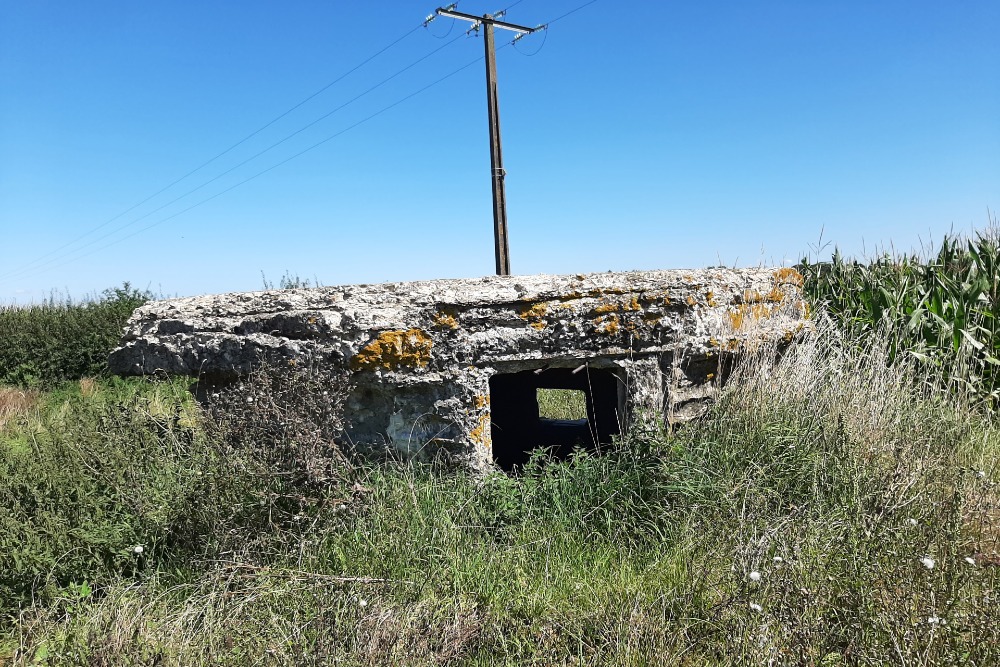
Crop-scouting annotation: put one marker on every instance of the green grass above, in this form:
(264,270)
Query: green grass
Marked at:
(831,476)
(562,404)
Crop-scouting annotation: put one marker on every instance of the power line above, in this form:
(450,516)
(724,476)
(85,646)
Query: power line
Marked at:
(278,164)
(224,152)
(48,259)
(562,16)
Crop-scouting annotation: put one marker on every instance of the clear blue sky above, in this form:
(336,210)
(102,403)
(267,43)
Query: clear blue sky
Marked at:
(652,135)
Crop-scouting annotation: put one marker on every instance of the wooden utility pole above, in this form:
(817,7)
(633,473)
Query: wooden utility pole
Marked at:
(488,23)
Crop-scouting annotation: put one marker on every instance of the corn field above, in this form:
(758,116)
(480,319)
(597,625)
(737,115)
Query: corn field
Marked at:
(942,309)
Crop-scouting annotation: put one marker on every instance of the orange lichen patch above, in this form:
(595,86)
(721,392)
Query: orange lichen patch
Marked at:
(311,320)
(803,307)
(598,292)
(534,315)
(395,349)
(482,434)
(790,334)
(608,324)
(775,295)
(731,344)
(481,401)
(788,276)
(606,308)
(445,320)
(651,317)
(632,305)
(710,298)
(691,301)
(745,313)
(752,296)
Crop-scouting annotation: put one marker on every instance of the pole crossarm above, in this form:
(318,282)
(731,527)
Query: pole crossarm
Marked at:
(486,18)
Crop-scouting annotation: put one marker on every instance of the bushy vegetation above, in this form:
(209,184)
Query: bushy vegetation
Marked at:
(44,344)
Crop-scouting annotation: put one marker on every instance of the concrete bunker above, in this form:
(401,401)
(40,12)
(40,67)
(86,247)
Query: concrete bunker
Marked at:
(518,427)
(457,364)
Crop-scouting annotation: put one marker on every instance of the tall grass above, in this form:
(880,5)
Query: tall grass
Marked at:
(793,525)
(44,344)
(942,309)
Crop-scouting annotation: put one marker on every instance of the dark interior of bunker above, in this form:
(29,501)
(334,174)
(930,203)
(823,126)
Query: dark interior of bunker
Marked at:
(518,429)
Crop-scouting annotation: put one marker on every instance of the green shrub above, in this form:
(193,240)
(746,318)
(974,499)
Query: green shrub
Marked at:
(44,344)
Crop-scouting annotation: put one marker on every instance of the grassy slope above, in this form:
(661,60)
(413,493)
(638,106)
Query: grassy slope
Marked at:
(831,478)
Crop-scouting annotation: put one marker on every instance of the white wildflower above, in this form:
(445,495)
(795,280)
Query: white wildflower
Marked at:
(755,576)
(970,560)
(362,602)
(934,620)
(912,522)
(927,562)
(137,549)
(778,560)
(981,474)
(249,399)
(756,607)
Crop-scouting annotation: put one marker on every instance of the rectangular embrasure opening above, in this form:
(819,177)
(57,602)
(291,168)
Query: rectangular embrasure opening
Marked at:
(552,408)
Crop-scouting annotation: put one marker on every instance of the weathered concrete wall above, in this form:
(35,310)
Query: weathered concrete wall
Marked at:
(421,354)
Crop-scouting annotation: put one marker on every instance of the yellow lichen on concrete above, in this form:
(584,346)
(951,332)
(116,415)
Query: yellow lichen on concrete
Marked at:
(752,296)
(445,320)
(606,308)
(691,301)
(393,350)
(731,344)
(746,312)
(632,305)
(788,276)
(482,434)
(608,324)
(710,298)
(776,295)
(534,315)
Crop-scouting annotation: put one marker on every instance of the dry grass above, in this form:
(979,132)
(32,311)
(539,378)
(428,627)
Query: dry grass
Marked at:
(15,403)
